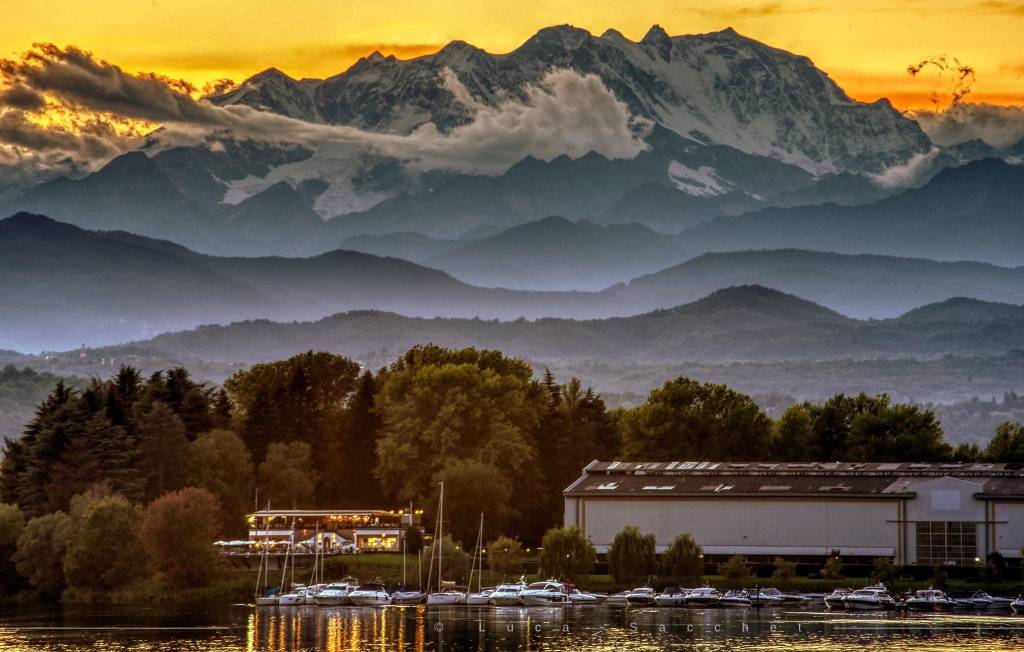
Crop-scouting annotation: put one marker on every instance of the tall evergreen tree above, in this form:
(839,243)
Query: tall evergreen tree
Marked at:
(162,449)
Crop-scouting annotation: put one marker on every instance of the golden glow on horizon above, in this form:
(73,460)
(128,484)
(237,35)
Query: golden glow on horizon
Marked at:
(865,45)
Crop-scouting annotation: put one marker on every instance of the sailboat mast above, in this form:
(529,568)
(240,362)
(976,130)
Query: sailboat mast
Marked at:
(440,534)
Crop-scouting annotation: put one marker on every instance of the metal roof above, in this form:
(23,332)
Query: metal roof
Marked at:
(786,479)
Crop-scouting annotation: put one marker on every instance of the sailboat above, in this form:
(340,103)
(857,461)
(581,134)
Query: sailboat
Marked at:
(403,597)
(446,593)
(297,594)
(264,596)
(482,596)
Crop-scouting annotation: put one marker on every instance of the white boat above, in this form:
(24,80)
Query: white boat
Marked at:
(671,596)
(549,593)
(294,598)
(481,597)
(703,597)
(785,599)
(1018,605)
(870,598)
(408,598)
(446,598)
(931,600)
(507,595)
(369,595)
(335,594)
(835,599)
(643,596)
(764,597)
(982,600)
(578,597)
(735,599)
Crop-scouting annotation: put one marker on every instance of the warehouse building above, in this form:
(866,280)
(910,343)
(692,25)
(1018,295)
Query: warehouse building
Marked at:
(923,514)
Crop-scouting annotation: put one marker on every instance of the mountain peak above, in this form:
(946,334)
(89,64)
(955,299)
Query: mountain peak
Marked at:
(656,35)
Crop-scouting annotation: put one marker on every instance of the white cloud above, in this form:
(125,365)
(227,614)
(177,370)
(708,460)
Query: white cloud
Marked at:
(999,126)
(904,175)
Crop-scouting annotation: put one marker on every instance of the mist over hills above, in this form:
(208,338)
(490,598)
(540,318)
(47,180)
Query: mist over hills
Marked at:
(739,324)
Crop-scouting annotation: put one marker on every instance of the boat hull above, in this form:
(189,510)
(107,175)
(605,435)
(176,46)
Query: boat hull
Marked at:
(545,600)
(407,599)
(445,599)
(266,602)
(505,600)
(370,602)
(670,601)
(734,603)
(332,601)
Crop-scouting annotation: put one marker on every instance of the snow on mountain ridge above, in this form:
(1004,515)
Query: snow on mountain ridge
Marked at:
(719,87)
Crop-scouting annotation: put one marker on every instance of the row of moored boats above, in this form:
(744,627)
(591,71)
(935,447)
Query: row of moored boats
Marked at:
(879,598)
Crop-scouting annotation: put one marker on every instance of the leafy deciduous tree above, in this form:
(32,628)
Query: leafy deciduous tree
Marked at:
(183,556)
(631,556)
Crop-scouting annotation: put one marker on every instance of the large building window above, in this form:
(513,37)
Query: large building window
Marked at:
(942,543)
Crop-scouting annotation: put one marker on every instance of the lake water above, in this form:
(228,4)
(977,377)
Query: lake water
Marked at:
(242,627)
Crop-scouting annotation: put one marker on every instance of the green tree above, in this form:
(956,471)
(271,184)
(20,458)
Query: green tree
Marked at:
(301,396)
(735,569)
(793,438)
(567,554)
(353,447)
(688,420)
(631,556)
(504,556)
(39,557)
(220,462)
(183,556)
(12,523)
(105,552)
(163,445)
(287,475)
(455,562)
(833,568)
(472,488)
(440,406)
(896,432)
(683,562)
(783,572)
(1008,443)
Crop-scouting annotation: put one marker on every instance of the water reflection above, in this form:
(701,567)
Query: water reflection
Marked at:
(606,629)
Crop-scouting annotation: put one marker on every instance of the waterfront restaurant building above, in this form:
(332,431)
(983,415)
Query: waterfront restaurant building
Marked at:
(915,514)
(372,530)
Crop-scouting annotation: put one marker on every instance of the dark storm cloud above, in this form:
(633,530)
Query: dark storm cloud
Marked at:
(22,97)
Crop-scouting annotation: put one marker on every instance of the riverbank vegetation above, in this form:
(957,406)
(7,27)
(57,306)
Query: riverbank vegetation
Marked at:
(128,479)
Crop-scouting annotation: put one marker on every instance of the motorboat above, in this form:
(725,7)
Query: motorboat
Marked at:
(617,599)
(408,598)
(507,595)
(578,597)
(294,598)
(835,599)
(672,596)
(369,595)
(335,594)
(982,600)
(735,599)
(930,600)
(1018,605)
(764,597)
(551,592)
(268,599)
(964,603)
(643,596)
(785,599)
(703,597)
(446,598)
(870,598)
(481,597)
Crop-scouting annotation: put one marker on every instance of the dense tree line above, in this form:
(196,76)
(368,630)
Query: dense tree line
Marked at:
(318,430)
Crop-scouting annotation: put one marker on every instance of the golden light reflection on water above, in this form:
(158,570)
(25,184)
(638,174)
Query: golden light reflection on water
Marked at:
(600,629)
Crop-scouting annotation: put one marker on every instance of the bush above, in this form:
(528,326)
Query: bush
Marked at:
(504,556)
(183,556)
(784,572)
(12,522)
(833,568)
(631,556)
(40,554)
(734,570)
(883,571)
(567,554)
(683,562)
(105,552)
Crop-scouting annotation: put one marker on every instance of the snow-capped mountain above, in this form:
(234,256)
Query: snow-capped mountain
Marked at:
(717,88)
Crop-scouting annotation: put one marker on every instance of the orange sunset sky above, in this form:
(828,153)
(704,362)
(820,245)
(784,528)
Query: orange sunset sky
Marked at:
(865,45)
